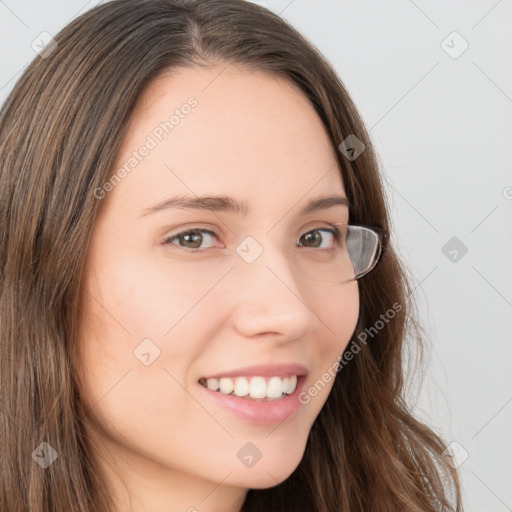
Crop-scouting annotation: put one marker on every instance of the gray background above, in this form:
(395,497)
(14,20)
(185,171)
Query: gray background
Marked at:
(443,129)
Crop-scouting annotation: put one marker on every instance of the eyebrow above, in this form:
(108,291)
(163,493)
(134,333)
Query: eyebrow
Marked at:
(228,204)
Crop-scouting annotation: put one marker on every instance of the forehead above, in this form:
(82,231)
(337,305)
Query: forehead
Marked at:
(249,133)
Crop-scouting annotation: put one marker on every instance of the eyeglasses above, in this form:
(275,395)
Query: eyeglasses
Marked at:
(353,251)
(365,245)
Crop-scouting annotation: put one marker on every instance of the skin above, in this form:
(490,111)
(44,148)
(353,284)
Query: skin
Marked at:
(256,138)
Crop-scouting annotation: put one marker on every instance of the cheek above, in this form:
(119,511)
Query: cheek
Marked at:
(338,311)
(345,311)
(124,322)
(135,313)
(142,298)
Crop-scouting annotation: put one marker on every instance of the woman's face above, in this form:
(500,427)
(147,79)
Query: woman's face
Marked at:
(160,318)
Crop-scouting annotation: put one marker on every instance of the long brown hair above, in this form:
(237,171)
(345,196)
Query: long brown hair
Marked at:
(60,130)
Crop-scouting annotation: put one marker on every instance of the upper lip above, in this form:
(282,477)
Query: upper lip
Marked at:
(263,370)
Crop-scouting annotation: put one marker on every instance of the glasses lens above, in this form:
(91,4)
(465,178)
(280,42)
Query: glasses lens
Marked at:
(329,262)
(363,246)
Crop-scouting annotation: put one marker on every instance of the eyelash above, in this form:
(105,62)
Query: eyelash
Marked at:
(168,241)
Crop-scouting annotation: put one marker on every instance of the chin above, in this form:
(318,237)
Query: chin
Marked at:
(265,480)
(264,476)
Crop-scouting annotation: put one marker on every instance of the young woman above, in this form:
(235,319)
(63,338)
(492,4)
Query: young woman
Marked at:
(200,304)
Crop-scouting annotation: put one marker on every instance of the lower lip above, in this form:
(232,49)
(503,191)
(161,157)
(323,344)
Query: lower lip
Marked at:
(260,412)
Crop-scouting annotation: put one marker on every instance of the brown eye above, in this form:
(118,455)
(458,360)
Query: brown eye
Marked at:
(189,239)
(315,238)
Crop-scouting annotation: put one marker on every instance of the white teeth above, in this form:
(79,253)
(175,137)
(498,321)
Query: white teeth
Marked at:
(275,388)
(213,384)
(241,386)
(292,383)
(257,387)
(226,386)
(253,387)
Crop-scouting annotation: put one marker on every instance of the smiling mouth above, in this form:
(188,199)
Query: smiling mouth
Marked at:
(252,388)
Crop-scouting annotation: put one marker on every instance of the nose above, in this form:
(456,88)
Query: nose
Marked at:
(268,298)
